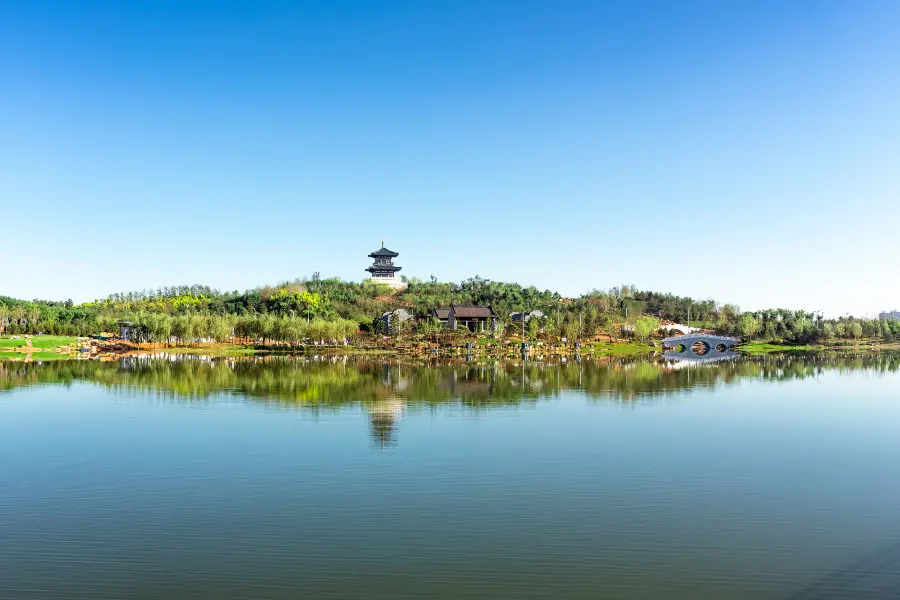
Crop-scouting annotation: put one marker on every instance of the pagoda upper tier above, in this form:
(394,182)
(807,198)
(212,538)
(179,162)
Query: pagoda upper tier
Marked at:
(383,263)
(384,253)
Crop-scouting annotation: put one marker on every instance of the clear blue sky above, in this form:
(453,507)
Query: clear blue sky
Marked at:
(746,151)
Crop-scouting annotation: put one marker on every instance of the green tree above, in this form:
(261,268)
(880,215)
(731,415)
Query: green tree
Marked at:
(159,326)
(378,326)
(286,301)
(219,327)
(33,316)
(394,324)
(570,329)
(749,326)
(534,328)
(645,326)
(181,328)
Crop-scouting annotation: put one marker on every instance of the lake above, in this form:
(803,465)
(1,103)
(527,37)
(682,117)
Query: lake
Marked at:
(189,478)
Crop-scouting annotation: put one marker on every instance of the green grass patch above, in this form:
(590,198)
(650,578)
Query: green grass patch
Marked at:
(43,356)
(765,348)
(39,341)
(888,346)
(49,356)
(863,344)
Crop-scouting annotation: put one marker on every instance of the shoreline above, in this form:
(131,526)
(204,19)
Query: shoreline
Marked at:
(44,348)
(864,346)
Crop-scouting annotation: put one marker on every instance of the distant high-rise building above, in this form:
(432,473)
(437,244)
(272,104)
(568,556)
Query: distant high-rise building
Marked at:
(894,314)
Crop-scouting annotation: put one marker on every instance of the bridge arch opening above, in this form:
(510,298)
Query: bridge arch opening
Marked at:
(721,348)
(700,348)
(680,348)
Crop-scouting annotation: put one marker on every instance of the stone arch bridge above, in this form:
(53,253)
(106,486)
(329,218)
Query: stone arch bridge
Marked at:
(701,344)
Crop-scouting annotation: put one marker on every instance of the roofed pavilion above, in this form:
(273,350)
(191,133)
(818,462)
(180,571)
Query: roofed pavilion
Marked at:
(383,270)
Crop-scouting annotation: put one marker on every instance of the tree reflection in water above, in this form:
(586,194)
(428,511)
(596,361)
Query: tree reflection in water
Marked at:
(385,389)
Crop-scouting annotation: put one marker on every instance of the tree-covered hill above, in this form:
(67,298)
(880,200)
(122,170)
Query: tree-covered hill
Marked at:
(332,308)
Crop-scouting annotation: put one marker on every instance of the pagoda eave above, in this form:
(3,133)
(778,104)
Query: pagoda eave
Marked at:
(383,268)
(384,253)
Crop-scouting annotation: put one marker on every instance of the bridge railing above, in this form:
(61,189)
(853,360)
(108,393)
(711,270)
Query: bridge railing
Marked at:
(701,337)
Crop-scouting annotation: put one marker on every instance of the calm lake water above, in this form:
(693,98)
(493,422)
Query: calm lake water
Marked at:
(335,478)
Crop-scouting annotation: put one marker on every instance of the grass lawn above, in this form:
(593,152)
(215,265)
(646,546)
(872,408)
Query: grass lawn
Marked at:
(862,345)
(34,356)
(39,341)
(764,348)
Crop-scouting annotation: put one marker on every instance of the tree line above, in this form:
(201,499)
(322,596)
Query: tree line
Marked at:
(802,327)
(316,308)
(257,328)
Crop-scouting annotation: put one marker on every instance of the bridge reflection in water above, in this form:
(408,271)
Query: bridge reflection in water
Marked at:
(685,359)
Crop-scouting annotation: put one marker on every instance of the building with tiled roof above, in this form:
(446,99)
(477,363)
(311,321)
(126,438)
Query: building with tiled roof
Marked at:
(474,318)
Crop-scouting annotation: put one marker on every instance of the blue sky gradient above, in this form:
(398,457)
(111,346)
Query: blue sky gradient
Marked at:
(746,151)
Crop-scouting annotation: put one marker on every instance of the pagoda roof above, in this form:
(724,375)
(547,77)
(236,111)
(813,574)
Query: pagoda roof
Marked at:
(383,252)
(383,268)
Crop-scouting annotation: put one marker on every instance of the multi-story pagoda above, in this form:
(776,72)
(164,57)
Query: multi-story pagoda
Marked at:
(383,270)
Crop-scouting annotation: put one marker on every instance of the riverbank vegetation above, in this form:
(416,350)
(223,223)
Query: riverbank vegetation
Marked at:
(332,311)
(767,348)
